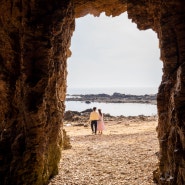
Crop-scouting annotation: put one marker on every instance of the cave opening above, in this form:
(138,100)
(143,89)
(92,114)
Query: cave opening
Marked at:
(35,39)
(139,71)
(125,59)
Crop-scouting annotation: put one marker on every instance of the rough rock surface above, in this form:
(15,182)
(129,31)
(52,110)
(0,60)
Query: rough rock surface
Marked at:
(35,37)
(34,46)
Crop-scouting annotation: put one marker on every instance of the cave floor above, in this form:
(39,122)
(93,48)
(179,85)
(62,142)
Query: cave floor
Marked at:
(126,154)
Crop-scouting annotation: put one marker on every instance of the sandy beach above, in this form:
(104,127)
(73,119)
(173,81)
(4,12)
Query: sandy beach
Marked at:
(126,154)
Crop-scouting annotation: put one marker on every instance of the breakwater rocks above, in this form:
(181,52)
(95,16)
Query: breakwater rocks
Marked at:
(114,98)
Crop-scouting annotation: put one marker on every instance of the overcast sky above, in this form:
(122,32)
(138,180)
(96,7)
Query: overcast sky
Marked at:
(113,52)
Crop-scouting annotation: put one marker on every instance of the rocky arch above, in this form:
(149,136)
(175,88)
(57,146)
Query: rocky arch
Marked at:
(34,45)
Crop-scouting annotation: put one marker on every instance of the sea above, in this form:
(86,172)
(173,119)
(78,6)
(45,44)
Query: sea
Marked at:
(114,109)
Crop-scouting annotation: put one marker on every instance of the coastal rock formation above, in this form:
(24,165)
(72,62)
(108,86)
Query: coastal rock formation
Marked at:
(34,46)
(34,43)
(114,98)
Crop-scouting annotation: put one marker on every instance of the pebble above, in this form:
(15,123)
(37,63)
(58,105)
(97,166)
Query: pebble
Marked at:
(125,157)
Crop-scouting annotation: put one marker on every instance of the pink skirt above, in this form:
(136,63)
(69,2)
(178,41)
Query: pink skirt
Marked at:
(100,126)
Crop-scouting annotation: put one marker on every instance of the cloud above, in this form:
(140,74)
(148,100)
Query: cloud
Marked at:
(113,52)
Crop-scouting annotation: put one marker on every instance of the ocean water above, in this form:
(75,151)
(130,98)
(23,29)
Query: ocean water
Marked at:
(114,109)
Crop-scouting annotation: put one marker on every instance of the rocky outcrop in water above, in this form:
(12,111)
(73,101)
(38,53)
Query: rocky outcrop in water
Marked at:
(114,98)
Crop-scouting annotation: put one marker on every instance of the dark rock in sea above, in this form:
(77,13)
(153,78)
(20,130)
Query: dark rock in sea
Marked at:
(118,95)
(69,115)
(86,111)
(115,98)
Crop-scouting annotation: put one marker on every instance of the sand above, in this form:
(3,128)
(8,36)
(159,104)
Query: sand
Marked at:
(125,154)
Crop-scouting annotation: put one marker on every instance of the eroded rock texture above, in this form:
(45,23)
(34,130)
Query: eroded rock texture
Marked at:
(34,45)
(167,19)
(34,41)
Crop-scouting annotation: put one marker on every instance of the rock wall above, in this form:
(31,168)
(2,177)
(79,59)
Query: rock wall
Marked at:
(167,19)
(34,41)
(34,45)
(171,96)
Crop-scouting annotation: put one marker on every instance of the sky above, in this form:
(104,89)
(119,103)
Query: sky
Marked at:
(113,52)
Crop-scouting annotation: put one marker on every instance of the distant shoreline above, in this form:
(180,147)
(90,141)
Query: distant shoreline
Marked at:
(114,98)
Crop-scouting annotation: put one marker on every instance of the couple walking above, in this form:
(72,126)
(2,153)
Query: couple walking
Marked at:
(97,123)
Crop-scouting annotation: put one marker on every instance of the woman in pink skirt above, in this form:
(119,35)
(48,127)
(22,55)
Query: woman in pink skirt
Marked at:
(101,125)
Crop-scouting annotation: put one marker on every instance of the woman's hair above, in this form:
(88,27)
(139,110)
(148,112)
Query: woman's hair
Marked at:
(99,110)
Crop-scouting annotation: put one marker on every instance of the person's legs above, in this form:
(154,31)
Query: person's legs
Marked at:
(92,125)
(95,125)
